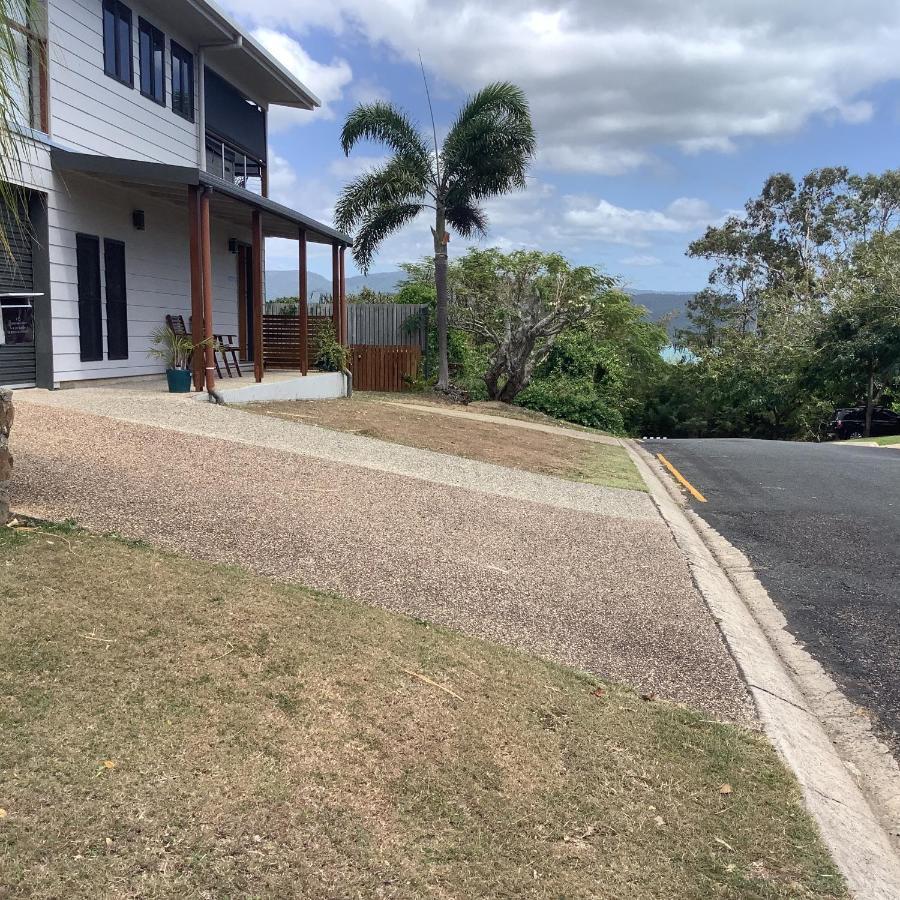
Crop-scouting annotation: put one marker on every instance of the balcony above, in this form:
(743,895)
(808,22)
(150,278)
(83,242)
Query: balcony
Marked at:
(234,166)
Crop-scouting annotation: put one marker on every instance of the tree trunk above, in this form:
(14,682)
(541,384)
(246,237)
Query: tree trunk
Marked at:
(6,460)
(492,379)
(443,297)
(870,399)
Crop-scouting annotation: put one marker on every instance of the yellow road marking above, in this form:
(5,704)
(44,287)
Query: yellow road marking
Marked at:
(679,477)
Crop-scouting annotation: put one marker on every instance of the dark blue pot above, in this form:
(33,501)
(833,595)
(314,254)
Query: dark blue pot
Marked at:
(179,380)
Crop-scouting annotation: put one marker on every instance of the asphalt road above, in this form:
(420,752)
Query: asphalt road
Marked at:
(821,525)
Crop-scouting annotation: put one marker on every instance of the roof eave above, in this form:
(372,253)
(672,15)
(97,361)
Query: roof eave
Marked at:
(303,97)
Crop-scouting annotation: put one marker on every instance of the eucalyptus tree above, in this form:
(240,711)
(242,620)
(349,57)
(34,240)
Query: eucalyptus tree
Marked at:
(486,153)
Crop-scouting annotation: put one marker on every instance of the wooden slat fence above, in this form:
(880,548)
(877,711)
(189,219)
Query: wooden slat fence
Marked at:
(281,340)
(374,324)
(386,341)
(384,368)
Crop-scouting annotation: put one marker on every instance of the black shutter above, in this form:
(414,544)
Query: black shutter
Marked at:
(15,266)
(90,328)
(116,306)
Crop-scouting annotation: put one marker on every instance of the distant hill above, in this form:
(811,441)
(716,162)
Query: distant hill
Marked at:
(283,283)
(662,304)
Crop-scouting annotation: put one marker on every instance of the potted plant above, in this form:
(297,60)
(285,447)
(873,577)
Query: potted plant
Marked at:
(176,351)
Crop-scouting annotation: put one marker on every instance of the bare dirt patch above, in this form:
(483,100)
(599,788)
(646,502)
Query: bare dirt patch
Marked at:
(533,451)
(173,728)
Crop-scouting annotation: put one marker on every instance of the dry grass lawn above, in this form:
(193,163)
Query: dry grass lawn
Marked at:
(534,451)
(174,729)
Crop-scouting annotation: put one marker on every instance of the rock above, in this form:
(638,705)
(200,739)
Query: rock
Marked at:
(6,411)
(6,460)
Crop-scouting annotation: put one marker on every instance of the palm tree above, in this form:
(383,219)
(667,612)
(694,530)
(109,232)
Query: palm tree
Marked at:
(486,153)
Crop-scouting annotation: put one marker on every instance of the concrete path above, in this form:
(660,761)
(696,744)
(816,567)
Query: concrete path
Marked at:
(186,414)
(510,422)
(587,576)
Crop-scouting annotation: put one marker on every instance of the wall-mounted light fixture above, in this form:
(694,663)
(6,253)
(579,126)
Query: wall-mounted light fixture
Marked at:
(232,245)
(137,219)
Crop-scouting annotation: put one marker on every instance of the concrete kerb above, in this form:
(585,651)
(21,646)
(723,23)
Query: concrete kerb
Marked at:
(850,781)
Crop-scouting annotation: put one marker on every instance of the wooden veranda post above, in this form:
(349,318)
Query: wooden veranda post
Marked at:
(258,367)
(345,337)
(336,289)
(303,303)
(206,268)
(196,285)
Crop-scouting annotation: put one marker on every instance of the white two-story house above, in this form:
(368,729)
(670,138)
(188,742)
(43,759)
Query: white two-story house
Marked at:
(145,190)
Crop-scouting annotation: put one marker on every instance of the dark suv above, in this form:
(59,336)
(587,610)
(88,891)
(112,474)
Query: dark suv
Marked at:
(851,423)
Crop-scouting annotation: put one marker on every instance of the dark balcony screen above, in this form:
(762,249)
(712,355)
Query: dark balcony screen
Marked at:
(233,118)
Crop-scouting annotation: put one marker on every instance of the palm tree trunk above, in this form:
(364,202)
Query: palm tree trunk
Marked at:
(443,298)
(870,399)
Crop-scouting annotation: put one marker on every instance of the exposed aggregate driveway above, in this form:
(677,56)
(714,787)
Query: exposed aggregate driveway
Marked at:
(587,576)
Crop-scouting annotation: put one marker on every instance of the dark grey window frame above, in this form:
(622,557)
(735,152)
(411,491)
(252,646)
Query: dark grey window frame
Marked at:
(184,59)
(157,43)
(120,13)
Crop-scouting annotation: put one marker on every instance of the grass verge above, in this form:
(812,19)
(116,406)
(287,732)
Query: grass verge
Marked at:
(505,445)
(172,728)
(884,441)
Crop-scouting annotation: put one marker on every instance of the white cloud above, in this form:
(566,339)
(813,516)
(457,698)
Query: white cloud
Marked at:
(641,260)
(326,80)
(604,221)
(611,83)
(347,167)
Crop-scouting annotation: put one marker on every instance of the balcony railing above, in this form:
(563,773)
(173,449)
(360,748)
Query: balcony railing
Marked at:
(234,166)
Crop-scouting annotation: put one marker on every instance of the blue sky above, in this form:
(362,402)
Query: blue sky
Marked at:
(654,118)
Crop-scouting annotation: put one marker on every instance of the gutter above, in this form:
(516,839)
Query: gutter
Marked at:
(215,16)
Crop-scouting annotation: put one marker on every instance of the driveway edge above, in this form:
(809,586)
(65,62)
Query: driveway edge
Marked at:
(794,698)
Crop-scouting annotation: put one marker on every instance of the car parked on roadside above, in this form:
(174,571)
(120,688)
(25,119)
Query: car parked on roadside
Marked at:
(851,423)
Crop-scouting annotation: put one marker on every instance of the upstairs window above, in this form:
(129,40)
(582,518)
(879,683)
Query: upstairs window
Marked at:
(182,82)
(152,55)
(117,41)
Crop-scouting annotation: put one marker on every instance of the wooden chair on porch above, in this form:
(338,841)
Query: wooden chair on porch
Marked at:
(224,346)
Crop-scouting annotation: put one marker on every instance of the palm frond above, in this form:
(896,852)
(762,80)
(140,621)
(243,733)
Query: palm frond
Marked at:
(378,224)
(491,144)
(13,86)
(497,98)
(401,180)
(386,124)
(467,220)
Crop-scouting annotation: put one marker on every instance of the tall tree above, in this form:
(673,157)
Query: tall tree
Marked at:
(486,153)
(517,305)
(858,346)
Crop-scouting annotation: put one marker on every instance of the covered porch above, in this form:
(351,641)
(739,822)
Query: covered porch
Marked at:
(214,206)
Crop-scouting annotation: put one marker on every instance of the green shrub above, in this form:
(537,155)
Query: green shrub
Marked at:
(574,400)
(331,356)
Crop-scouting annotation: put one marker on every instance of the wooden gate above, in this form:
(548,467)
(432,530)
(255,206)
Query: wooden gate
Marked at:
(383,368)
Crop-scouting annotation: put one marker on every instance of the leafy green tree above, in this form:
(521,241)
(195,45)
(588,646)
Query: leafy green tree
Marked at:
(367,295)
(486,152)
(516,305)
(858,347)
(790,324)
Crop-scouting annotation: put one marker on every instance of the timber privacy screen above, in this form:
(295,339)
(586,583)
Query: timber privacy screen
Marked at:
(386,340)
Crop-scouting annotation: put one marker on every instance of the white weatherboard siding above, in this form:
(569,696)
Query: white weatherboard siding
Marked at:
(157,267)
(94,113)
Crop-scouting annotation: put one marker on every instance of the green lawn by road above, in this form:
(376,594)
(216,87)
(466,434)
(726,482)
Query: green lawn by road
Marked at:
(881,441)
(174,728)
